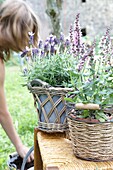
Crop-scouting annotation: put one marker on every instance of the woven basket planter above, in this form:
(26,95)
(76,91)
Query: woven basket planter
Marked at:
(91,141)
(51,107)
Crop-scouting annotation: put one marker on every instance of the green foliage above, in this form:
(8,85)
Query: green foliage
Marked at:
(20,104)
(94,114)
(54,69)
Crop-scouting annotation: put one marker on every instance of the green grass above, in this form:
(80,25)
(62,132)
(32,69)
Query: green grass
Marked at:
(21,107)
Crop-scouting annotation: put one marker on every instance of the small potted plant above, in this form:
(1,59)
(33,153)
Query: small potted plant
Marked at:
(47,72)
(91,120)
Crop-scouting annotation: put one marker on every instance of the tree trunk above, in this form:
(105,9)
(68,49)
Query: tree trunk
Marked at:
(54,8)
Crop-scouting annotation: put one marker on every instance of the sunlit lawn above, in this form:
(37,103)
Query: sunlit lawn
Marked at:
(20,104)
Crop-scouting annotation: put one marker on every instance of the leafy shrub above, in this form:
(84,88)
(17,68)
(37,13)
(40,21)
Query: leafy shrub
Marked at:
(93,78)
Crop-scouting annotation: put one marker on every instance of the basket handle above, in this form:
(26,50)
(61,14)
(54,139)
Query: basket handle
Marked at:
(38,82)
(89,106)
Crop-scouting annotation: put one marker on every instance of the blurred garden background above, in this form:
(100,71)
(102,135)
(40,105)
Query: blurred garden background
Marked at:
(55,17)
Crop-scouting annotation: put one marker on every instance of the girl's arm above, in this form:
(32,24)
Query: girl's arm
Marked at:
(6,120)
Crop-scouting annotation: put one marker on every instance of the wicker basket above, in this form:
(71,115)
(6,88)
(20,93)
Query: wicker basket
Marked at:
(50,105)
(91,141)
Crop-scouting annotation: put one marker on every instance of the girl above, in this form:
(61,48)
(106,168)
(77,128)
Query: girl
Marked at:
(16,20)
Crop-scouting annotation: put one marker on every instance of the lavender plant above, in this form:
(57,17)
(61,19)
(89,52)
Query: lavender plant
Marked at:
(93,78)
(50,61)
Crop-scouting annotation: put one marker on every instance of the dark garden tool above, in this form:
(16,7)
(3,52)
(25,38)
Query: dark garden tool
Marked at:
(15,162)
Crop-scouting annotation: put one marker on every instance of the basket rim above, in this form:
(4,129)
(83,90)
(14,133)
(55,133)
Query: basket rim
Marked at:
(82,121)
(51,88)
(45,86)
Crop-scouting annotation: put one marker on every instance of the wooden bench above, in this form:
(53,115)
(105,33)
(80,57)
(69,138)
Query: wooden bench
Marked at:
(54,152)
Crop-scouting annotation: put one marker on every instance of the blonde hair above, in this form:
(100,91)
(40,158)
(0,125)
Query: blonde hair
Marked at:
(16,20)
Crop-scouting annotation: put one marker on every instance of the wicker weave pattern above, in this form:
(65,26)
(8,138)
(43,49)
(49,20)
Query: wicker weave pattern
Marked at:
(92,141)
(50,118)
(52,127)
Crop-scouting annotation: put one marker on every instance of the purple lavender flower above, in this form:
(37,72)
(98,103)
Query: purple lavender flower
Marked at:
(56,40)
(61,37)
(27,58)
(106,48)
(71,34)
(42,54)
(105,42)
(85,55)
(82,49)
(51,39)
(67,42)
(24,53)
(82,61)
(35,51)
(52,49)
(91,49)
(75,37)
(40,44)
(31,38)
(25,71)
(46,46)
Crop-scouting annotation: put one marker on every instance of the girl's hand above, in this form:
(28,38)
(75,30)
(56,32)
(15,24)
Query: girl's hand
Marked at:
(23,150)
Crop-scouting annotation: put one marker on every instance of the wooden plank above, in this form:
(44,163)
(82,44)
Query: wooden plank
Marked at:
(38,165)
